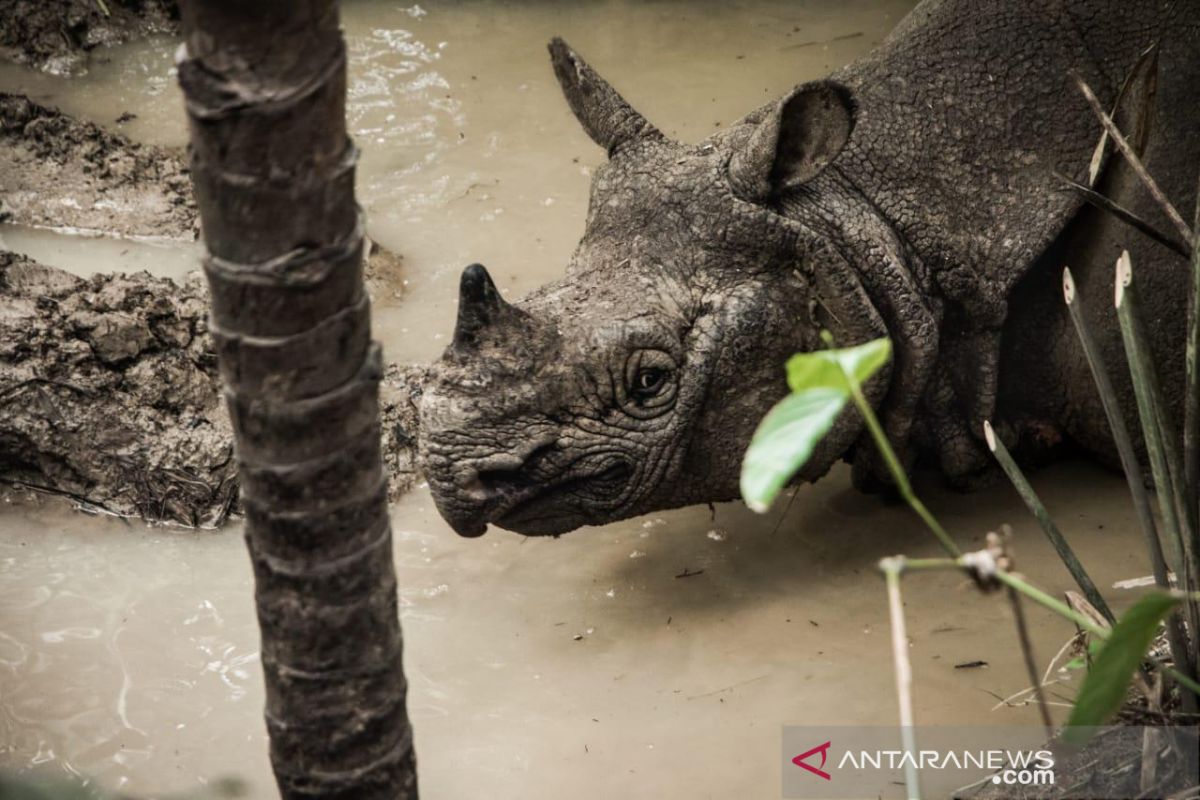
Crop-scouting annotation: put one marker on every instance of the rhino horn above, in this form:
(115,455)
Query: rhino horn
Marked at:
(480,306)
(604,114)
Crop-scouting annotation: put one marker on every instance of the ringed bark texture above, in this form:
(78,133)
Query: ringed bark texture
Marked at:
(273,169)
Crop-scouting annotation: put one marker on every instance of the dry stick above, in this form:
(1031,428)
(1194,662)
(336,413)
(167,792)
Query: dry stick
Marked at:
(1134,161)
(1129,463)
(1124,215)
(1155,432)
(892,567)
(1030,662)
(1098,154)
(1034,504)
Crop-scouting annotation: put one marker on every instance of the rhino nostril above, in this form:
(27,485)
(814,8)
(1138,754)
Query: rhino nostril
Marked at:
(508,471)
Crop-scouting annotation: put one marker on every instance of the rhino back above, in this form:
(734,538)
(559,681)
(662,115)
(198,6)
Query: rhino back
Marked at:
(967,109)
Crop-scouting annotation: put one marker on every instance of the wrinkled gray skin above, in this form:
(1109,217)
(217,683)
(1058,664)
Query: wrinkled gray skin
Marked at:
(910,195)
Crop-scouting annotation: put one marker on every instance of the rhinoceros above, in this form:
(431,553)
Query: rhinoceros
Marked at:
(911,194)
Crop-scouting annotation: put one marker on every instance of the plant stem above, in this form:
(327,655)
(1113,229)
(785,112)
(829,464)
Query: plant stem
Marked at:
(1176,635)
(1062,609)
(898,473)
(1035,505)
(892,568)
(929,563)
(1156,430)
(1030,662)
(1054,604)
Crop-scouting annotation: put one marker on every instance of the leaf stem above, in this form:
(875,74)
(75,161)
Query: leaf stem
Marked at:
(893,463)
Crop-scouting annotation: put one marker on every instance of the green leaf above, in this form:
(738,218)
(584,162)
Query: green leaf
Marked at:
(1106,684)
(824,367)
(788,435)
(785,440)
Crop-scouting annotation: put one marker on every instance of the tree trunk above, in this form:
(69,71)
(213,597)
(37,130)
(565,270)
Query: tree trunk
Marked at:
(265,85)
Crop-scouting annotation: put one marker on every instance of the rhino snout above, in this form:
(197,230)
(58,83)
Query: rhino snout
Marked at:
(542,491)
(470,492)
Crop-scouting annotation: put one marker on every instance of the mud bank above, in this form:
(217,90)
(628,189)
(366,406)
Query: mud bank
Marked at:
(110,395)
(108,384)
(58,35)
(60,172)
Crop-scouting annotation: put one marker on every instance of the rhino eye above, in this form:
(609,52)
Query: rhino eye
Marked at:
(648,382)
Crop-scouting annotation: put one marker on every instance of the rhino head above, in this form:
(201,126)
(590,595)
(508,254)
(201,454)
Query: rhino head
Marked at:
(635,382)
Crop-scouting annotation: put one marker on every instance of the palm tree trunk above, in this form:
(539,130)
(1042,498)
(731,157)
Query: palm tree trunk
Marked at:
(273,168)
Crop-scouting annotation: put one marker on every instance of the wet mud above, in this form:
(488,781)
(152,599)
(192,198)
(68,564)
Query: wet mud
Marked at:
(58,36)
(62,173)
(110,396)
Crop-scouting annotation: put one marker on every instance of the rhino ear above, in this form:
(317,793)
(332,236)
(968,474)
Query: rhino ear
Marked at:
(604,114)
(793,142)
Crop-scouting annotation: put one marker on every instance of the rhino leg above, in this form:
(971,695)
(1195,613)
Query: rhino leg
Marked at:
(912,324)
(897,285)
(960,454)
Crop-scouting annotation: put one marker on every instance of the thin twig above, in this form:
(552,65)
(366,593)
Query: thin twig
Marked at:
(1030,662)
(1134,162)
(893,462)
(1125,215)
(1012,700)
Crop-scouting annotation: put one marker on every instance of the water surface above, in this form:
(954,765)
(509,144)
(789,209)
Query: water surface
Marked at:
(589,666)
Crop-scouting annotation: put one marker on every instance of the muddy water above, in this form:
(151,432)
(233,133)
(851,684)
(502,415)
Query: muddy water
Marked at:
(586,666)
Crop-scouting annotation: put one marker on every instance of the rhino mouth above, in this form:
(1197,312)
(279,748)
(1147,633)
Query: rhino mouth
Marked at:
(555,508)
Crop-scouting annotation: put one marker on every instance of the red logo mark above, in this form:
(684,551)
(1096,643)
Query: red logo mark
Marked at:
(823,749)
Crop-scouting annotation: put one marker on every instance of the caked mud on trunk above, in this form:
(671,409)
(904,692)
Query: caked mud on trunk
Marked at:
(58,35)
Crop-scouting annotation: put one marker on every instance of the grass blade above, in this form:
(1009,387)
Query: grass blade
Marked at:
(1038,509)
(1156,430)
(1129,464)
